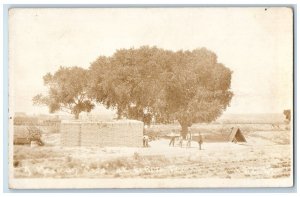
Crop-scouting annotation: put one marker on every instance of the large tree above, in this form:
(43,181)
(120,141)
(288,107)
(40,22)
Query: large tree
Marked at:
(187,86)
(67,91)
(129,81)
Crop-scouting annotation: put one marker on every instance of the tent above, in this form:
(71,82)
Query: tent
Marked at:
(236,136)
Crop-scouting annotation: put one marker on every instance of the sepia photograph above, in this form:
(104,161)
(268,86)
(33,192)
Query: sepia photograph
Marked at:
(173,97)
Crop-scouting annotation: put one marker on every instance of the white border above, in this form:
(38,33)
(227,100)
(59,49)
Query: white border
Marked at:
(240,2)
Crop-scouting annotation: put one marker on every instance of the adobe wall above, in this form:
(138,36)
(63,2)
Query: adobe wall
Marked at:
(115,133)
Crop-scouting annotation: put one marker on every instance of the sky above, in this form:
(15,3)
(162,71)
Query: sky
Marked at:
(256,44)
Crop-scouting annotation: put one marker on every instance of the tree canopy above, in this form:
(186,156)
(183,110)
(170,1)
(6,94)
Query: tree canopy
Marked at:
(145,83)
(187,86)
(67,91)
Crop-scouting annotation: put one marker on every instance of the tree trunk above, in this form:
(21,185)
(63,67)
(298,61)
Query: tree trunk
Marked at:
(76,116)
(184,130)
(119,116)
(119,113)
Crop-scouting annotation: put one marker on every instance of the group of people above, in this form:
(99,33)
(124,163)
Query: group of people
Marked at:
(188,138)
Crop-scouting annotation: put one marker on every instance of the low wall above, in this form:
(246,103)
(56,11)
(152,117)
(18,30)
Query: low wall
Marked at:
(115,133)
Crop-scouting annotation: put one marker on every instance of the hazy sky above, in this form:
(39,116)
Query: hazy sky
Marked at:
(256,44)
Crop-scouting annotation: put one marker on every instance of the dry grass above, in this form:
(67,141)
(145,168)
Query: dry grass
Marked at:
(234,161)
(265,155)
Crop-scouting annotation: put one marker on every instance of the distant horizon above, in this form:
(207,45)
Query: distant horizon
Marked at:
(68,114)
(246,118)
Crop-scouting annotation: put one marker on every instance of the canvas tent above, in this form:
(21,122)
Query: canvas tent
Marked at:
(236,136)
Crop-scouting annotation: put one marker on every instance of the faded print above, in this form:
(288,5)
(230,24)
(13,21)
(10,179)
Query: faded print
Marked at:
(151,97)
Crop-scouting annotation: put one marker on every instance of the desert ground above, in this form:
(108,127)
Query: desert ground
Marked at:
(265,155)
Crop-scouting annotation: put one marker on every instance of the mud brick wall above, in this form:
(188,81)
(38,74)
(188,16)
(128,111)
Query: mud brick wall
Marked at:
(116,133)
(70,134)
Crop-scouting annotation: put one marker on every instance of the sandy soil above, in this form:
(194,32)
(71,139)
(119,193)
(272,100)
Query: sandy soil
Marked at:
(263,156)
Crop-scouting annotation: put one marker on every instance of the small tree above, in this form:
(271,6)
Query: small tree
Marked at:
(287,114)
(67,91)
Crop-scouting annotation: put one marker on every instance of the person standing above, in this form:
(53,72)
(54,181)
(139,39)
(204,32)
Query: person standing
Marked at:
(180,141)
(200,140)
(172,141)
(145,141)
(189,140)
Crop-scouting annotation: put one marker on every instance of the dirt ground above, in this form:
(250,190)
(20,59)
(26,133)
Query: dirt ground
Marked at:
(267,155)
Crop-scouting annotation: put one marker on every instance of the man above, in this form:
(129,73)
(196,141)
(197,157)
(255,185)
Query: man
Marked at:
(172,141)
(180,141)
(200,140)
(145,141)
(189,140)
